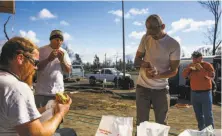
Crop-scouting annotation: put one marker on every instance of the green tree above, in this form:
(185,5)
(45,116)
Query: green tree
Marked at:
(78,59)
(96,63)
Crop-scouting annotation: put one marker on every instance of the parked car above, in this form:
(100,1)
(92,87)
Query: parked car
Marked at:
(77,73)
(109,74)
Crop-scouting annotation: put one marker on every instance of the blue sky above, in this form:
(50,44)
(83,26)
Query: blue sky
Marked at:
(95,27)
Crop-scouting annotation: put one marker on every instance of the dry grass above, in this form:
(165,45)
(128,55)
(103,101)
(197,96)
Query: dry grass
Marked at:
(88,108)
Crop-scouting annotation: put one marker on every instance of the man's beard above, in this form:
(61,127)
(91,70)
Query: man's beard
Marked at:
(155,37)
(27,74)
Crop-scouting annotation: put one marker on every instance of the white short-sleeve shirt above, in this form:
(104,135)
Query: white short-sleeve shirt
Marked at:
(50,79)
(158,53)
(17,104)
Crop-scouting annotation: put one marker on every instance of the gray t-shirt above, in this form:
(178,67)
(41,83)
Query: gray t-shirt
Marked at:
(17,105)
(50,79)
(158,53)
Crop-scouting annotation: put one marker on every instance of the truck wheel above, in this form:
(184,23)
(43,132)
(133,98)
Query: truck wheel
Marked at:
(131,84)
(92,81)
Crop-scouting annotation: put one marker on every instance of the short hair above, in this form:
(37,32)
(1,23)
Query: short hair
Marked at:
(155,22)
(196,54)
(14,46)
(156,18)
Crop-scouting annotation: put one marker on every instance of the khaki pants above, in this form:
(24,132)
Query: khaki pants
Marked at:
(160,100)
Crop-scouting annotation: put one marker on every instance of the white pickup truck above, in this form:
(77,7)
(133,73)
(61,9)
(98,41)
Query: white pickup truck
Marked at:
(110,74)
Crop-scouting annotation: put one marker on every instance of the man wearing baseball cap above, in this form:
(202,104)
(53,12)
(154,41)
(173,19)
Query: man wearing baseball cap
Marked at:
(201,75)
(158,58)
(54,61)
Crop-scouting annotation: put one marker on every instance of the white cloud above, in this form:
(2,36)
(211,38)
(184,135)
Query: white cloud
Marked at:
(2,42)
(199,24)
(116,12)
(185,52)
(67,36)
(127,15)
(87,54)
(30,35)
(43,14)
(46,14)
(178,39)
(33,18)
(138,23)
(130,13)
(117,20)
(188,25)
(64,23)
(135,11)
(136,35)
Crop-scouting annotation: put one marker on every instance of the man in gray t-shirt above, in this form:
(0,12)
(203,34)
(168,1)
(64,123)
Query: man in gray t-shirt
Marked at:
(158,57)
(18,112)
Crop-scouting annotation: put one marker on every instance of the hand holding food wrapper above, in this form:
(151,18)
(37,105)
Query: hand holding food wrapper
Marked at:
(53,106)
(150,70)
(196,66)
(56,53)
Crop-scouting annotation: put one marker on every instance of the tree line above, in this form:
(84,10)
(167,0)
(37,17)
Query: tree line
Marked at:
(97,64)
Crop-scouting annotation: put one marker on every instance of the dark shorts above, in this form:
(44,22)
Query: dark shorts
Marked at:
(65,132)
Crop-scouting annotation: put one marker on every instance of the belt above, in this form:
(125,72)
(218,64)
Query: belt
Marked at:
(201,91)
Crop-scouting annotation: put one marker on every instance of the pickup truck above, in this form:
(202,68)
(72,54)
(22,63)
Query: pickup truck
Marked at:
(77,72)
(109,74)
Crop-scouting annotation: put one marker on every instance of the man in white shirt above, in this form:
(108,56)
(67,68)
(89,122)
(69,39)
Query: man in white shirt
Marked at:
(158,58)
(54,61)
(18,112)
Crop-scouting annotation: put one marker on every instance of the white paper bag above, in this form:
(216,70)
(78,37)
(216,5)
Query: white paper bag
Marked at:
(152,129)
(115,126)
(50,104)
(48,114)
(217,132)
(190,132)
(208,131)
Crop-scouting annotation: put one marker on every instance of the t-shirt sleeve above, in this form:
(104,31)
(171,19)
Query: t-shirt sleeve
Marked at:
(175,54)
(22,108)
(66,58)
(42,54)
(141,47)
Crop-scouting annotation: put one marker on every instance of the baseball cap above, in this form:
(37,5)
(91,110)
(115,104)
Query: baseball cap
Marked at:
(196,54)
(56,34)
(155,23)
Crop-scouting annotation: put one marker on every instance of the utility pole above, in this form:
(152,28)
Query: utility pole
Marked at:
(105,59)
(124,65)
(116,59)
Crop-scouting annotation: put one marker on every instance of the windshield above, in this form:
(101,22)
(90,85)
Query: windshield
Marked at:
(114,70)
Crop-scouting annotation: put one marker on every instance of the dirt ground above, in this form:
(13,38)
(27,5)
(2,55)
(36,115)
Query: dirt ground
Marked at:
(87,109)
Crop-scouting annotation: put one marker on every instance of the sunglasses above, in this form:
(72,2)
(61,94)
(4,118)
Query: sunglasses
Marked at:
(33,61)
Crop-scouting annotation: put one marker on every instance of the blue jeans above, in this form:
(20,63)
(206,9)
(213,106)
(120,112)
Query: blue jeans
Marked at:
(202,105)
